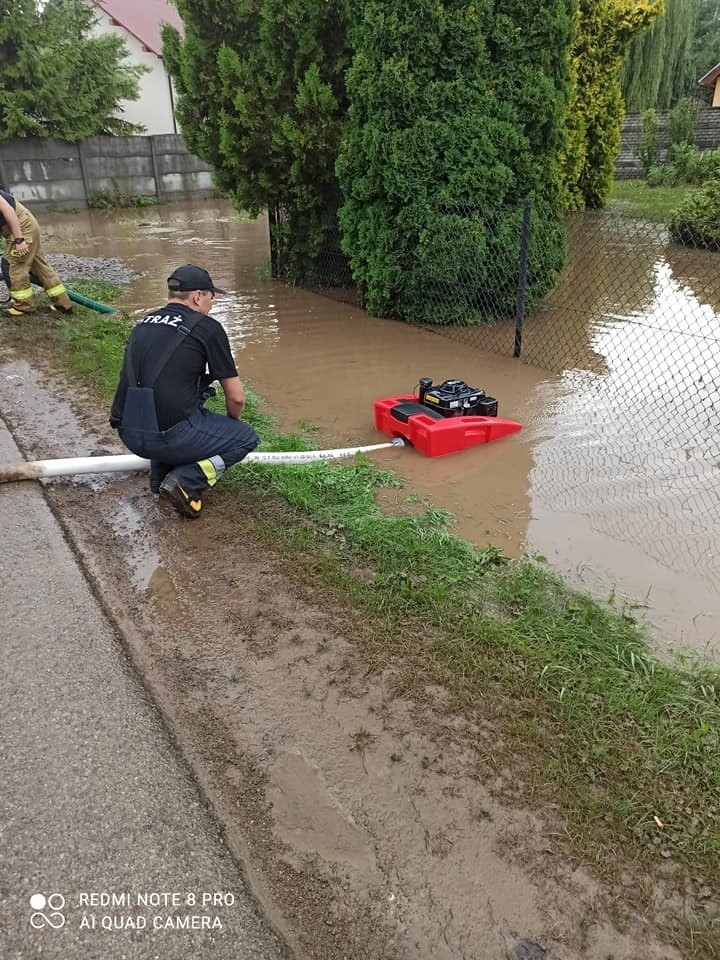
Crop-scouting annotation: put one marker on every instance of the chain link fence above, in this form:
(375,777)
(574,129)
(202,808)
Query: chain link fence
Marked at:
(332,276)
(631,334)
(631,306)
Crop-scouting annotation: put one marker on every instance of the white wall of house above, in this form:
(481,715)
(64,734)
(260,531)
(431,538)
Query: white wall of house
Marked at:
(154,107)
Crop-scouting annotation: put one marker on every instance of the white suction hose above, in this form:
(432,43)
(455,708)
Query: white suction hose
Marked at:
(124,463)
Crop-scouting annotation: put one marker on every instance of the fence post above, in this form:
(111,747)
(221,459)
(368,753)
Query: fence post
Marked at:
(274,256)
(522,277)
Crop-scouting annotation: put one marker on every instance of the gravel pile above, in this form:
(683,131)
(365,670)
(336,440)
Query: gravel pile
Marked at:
(89,268)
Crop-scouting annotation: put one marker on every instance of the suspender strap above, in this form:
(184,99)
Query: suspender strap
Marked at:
(185,329)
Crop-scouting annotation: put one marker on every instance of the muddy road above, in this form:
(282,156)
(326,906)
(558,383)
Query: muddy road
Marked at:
(599,481)
(362,821)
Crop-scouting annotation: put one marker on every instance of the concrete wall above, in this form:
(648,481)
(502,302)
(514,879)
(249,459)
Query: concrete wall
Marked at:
(628,166)
(58,174)
(154,107)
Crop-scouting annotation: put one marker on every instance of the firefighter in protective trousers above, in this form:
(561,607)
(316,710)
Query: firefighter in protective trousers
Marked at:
(24,253)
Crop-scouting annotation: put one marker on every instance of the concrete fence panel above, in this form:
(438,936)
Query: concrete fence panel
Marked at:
(53,173)
(42,171)
(117,165)
(177,171)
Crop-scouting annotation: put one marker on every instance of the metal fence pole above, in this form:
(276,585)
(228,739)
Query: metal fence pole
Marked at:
(273,221)
(522,276)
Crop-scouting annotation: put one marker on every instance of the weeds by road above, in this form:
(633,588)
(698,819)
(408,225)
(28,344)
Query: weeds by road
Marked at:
(626,747)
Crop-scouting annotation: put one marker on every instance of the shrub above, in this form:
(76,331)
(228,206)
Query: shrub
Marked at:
(696,222)
(648,149)
(655,176)
(708,167)
(261,97)
(682,121)
(685,158)
(456,115)
(595,114)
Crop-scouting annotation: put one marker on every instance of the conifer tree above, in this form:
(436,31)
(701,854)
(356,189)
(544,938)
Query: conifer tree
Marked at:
(261,97)
(596,113)
(456,115)
(56,79)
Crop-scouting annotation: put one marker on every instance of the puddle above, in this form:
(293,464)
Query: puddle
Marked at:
(307,817)
(143,560)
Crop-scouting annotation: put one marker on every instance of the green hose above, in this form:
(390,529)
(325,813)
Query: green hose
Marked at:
(92,304)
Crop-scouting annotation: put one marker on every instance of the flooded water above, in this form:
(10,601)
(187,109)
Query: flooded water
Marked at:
(608,483)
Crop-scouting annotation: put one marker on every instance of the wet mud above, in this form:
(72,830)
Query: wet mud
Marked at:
(365,823)
(604,481)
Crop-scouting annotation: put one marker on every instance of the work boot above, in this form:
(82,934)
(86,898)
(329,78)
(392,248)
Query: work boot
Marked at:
(158,472)
(187,504)
(12,311)
(59,300)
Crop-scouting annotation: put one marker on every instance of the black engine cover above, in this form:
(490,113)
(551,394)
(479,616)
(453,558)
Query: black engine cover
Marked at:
(454,398)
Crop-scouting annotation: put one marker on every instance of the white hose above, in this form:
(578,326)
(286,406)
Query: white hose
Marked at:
(124,463)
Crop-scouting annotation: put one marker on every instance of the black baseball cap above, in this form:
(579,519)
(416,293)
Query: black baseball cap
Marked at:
(190,277)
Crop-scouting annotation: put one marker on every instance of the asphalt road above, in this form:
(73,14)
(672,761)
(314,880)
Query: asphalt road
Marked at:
(106,848)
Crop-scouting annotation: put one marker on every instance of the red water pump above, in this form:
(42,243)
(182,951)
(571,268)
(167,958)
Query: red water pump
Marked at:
(442,419)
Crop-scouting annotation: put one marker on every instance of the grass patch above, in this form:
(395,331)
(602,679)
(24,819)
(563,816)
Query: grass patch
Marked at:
(93,343)
(112,199)
(637,199)
(626,746)
(89,345)
(101,290)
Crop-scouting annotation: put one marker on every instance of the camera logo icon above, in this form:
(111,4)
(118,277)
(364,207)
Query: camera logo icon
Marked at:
(54,904)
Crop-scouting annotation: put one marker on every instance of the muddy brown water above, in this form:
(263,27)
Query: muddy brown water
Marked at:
(613,494)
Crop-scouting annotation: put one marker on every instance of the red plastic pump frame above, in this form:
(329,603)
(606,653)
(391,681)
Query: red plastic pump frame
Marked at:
(436,437)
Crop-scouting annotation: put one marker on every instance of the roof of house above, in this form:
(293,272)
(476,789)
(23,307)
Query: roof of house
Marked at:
(142,19)
(710,77)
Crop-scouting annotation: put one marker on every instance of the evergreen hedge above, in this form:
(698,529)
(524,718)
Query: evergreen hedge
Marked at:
(456,115)
(596,112)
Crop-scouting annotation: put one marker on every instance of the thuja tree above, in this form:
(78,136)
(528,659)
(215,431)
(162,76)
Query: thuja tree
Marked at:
(596,112)
(56,78)
(456,115)
(261,97)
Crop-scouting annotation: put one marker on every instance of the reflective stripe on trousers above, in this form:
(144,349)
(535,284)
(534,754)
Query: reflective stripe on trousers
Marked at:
(24,294)
(213,469)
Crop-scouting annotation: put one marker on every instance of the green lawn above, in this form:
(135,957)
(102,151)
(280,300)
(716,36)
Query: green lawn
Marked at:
(636,198)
